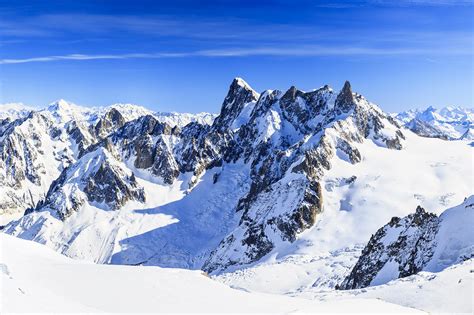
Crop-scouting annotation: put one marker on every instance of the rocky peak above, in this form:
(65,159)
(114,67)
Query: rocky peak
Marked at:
(114,116)
(143,126)
(240,93)
(404,244)
(345,98)
(97,177)
(112,120)
(112,186)
(291,94)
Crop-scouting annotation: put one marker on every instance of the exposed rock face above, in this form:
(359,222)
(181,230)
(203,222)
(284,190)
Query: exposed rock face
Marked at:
(240,93)
(105,186)
(164,164)
(345,99)
(97,178)
(418,242)
(113,119)
(149,143)
(406,243)
(32,152)
(425,130)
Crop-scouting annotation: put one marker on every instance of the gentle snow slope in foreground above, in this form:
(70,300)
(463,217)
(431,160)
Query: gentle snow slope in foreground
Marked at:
(34,278)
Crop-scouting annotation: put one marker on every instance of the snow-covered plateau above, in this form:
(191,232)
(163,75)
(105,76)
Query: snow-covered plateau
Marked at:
(286,201)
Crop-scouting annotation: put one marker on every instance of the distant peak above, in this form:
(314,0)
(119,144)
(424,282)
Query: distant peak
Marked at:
(61,103)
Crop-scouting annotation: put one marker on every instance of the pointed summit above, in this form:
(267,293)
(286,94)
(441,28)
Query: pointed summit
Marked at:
(239,85)
(240,93)
(241,82)
(345,99)
(113,119)
(60,104)
(291,94)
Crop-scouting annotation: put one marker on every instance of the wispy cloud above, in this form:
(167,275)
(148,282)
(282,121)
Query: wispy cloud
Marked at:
(62,34)
(247,52)
(93,57)
(152,26)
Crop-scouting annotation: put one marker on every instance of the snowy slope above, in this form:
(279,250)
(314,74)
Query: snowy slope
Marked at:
(445,284)
(448,122)
(387,183)
(455,237)
(448,291)
(36,279)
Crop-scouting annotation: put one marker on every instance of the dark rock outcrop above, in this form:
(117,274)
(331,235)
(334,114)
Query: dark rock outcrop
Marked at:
(404,244)
(95,178)
(345,99)
(111,121)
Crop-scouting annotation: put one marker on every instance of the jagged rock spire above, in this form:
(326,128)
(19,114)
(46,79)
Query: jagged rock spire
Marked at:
(113,119)
(345,99)
(291,94)
(240,93)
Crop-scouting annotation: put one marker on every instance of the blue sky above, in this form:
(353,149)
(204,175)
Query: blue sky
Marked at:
(182,55)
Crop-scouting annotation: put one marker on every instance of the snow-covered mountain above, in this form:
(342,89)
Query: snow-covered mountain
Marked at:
(449,122)
(419,241)
(277,177)
(12,111)
(37,144)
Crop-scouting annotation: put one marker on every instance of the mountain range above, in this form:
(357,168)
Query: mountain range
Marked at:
(277,178)
(451,123)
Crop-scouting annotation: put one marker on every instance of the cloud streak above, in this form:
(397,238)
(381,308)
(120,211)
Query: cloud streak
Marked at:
(304,51)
